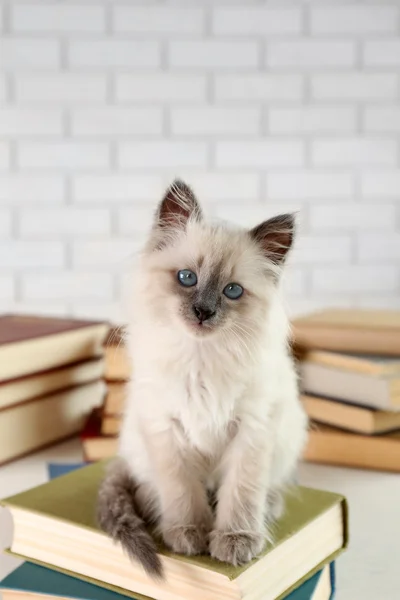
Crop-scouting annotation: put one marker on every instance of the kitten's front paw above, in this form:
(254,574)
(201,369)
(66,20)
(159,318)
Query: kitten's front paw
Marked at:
(186,539)
(235,548)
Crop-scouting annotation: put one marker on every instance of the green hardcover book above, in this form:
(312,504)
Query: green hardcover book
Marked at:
(54,525)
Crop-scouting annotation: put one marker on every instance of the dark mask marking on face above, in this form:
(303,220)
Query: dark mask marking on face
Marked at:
(208,294)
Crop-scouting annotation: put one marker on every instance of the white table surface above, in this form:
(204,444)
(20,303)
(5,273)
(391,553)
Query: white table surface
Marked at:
(369,570)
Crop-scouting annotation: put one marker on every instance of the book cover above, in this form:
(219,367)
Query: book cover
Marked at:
(351,330)
(71,499)
(19,328)
(321,586)
(368,364)
(359,388)
(30,387)
(40,581)
(329,445)
(110,424)
(353,417)
(58,469)
(40,422)
(95,445)
(31,344)
(118,365)
(114,403)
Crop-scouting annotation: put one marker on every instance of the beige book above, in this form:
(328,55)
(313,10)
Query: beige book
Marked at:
(114,403)
(110,424)
(33,582)
(381,366)
(99,448)
(382,393)
(95,445)
(26,388)
(348,416)
(32,425)
(118,365)
(31,344)
(351,330)
(331,446)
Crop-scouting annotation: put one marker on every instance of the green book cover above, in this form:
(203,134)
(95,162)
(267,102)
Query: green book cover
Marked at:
(72,498)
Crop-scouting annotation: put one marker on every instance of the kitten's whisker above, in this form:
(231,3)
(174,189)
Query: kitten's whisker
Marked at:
(242,342)
(118,333)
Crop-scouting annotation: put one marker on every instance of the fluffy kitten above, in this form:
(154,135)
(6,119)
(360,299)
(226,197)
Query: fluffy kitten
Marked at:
(213,405)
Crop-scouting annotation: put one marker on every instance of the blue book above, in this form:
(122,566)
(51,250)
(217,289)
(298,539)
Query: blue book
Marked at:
(39,583)
(57,470)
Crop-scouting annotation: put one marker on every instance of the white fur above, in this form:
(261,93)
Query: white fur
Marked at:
(214,411)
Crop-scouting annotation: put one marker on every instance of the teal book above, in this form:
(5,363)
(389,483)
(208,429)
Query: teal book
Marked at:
(40,582)
(37,582)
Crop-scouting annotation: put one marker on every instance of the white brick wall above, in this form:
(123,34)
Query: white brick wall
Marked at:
(159,20)
(17,254)
(26,53)
(5,223)
(213,54)
(3,88)
(54,155)
(311,54)
(313,185)
(259,88)
(50,223)
(260,154)
(313,120)
(262,106)
(354,86)
(215,121)
(80,18)
(113,53)
(4,156)
(21,188)
(365,20)
(116,121)
(114,188)
(164,154)
(65,286)
(164,87)
(257,21)
(60,89)
(24,122)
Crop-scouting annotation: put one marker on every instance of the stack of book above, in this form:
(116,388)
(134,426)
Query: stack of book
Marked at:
(69,557)
(99,436)
(349,366)
(50,378)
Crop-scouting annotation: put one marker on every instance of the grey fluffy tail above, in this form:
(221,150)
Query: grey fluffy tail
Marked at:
(117,516)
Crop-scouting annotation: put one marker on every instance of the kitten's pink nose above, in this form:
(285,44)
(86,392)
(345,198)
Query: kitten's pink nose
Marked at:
(202,313)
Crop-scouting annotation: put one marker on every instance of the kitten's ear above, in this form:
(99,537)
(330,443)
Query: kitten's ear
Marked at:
(178,206)
(275,237)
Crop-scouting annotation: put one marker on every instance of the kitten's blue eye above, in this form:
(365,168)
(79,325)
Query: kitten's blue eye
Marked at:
(187,278)
(233,291)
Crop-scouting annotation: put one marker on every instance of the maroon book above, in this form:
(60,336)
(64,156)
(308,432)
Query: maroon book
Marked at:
(31,344)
